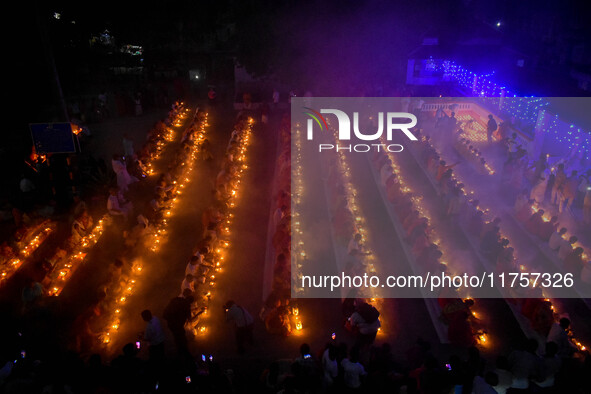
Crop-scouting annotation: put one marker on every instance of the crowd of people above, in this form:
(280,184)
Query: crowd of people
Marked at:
(277,311)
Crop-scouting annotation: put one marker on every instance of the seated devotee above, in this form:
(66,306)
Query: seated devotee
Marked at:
(81,227)
(505,260)
(548,228)
(277,319)
(393,189)
(355,245)
(489,226)
(188,283)
(566,247)
(411,221)
(573,262)
(559,335)
(442,169)
(557,238)
(117,206)
(420,230)
(193,266)
(385,172)
(535,221)
(525,213)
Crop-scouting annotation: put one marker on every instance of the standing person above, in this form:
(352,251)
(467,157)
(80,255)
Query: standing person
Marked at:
(587,205)
(366,321)
(176,314)
(123,177)
(211,95)
(275,98)
(539,190)
(138,105)
(569,192)
(154,335)
(559,181)
(439,115)
(491,127)
(353,371)
(243,322)
(128,150)
(265,109)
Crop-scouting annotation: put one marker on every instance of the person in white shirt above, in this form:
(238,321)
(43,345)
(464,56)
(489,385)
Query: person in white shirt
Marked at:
(550,366)
(188,283)
(330,367)
(154,335)
(525,365)
(486,384)
(504,375)
(556,239)
(353,370)
(193,266)
(243,322)
(566,247)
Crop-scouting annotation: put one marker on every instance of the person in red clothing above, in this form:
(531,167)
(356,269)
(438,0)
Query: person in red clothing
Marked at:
(535,222)
(442,169)
(525,212)
(393,188)
(548,228)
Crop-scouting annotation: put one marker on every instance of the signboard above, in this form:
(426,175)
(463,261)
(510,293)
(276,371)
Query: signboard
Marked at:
(52,137)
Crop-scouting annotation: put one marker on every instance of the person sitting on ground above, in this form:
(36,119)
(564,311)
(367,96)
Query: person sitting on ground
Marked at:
(557,238)
(489,226)
(559,335)
(116,204)
(188,283)
(81,227)
(567,247)
(534,223)
(356,245)
(548,228)
(573,263)
(442,169)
